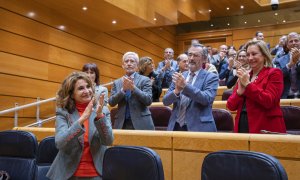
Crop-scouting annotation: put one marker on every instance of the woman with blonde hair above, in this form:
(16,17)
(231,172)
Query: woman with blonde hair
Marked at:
(82,131)
(256,96)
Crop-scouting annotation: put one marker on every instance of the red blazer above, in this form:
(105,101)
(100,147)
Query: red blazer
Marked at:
(262,102)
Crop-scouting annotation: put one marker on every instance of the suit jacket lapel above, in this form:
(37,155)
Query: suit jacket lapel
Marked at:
(137,79)
(261,75)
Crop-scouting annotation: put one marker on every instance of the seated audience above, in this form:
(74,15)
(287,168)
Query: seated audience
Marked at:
(290,66)
(256,97)
(167,67)
(133,94)
(192,94)
(82,130)
(146,68)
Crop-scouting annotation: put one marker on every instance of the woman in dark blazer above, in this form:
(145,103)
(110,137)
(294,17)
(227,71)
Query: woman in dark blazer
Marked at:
(146,68)
(82,131)
(256,96)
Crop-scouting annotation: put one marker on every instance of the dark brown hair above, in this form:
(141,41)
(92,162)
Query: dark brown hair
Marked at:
(92,67)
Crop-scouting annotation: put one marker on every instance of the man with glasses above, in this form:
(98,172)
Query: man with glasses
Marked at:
(227,67)
(192,94)
(290,66)
(167,67)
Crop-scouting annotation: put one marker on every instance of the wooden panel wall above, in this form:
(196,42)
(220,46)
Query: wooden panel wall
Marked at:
(237,37)
(35,56)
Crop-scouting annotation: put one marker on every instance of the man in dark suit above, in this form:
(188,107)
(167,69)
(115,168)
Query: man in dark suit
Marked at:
(192,94)
(290,66)
(133,94)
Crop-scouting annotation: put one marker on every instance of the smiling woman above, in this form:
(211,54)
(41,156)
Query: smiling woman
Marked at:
(82,130)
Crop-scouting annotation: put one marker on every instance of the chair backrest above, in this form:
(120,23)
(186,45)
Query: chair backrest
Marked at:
(18,154)
(46,154)
(223,120)
(226,94)
(291,118)
(160,116)
(132,163)
(246,165)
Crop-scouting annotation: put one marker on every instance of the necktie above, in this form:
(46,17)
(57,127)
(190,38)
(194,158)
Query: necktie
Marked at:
(184,102)
(127,110)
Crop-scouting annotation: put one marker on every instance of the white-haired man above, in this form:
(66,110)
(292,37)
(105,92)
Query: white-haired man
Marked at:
(133,94)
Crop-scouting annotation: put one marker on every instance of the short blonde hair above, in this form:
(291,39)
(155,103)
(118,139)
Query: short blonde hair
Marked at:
(263,49)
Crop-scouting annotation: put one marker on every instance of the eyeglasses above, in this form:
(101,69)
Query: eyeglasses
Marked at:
(195,55)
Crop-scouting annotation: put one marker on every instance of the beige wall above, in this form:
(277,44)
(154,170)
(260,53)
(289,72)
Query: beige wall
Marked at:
(35,57)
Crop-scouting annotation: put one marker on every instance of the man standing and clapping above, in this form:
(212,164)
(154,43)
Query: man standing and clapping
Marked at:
(192,94)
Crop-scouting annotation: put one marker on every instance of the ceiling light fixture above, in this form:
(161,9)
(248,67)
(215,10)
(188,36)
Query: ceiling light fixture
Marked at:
(228,24)
(114,22)
(209,10)
(31,14)
(227,8)
(84,8)
(283,21)
(212,25)
(258,20)
(154,19)
(245,22)
(276,14)
(242,7)
(61,27)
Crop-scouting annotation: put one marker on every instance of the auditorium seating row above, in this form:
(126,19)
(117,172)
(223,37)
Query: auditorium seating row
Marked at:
(21,158)
(223,118)
(182,153)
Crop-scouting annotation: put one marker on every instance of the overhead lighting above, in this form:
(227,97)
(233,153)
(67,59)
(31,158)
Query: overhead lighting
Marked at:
(209,10)
(258,20)
(114,22)
(212,25)
(276,14)
(154,19)
(227,8)
(283,21)
(31,14)
(242,7)
(84,8)
(245,22)
(61,27)
(228,24)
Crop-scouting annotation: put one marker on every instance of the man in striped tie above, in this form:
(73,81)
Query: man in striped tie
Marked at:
(192,94)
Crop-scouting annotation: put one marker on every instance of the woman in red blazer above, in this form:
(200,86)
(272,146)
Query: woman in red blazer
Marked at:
(256,96)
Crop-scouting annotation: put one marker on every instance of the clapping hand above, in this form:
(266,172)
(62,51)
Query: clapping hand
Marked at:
(179,81)
(128,83)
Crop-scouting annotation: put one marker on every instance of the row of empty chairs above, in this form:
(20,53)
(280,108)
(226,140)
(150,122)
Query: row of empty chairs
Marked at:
(222,117)
(22,158)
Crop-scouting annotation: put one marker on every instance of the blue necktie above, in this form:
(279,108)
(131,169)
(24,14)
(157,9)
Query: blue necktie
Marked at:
(127,110)
(184,102)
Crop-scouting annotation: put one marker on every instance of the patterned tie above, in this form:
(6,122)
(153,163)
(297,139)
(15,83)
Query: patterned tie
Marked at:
(127,110)
(184,102)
